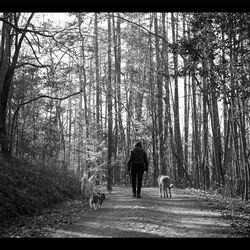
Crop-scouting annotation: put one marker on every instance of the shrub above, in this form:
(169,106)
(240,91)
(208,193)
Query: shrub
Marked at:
(27,188)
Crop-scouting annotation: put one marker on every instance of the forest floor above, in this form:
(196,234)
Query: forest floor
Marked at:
(187,214)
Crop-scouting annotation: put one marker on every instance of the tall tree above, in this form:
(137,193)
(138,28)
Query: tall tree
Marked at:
(110,116)
(218,154)
(167,119)
(186,97)
(152,107)
(178,149)
(97,75)
(160,130)
(118,74)
(11,41)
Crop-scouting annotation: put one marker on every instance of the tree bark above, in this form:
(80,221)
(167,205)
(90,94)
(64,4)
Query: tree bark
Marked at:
(162,165)
(7,69)
(177,134)
(97,77)
(110,116)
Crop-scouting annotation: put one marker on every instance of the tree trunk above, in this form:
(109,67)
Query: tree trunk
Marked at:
(177,134)
(162,165)
(167,118)
(7,69)
(110,117)
(217,137)
(119,99)
(97,77)
(196,146)
(186,103)
(205,160)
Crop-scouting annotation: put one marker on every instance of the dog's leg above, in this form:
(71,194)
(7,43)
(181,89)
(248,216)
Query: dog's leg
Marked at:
(170,192)
(90,204)
(160,190)
(159,185)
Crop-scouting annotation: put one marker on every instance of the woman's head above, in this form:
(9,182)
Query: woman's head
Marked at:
(138,144)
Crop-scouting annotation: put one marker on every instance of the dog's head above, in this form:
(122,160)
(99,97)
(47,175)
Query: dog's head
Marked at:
(84,178)
(94,179)
(102,197)
(171,185)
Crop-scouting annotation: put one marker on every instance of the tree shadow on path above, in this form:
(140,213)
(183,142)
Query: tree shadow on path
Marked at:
(124,216)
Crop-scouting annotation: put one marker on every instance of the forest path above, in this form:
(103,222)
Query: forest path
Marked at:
(125,216)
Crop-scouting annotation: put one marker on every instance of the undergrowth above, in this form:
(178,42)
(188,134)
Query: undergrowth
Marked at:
(26,188)
(231,207)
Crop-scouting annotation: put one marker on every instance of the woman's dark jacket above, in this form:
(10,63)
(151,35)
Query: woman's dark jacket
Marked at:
(138,157)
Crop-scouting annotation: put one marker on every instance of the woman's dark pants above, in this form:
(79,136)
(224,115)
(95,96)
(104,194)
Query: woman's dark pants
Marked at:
(137,174)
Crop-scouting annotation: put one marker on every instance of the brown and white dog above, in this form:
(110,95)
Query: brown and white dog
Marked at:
(164,184)
(96,200)
(90,191)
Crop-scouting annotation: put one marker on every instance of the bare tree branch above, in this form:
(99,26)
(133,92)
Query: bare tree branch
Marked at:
(142,27)
(21,30)
(34,52)
(34,99)
(50,97)
(33,65)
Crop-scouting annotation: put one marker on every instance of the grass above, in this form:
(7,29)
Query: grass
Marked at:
(26,188)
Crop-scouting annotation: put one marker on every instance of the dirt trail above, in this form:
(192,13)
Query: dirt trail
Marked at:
(125,216)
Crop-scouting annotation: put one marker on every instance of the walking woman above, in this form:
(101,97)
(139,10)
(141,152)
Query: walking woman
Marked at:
(137,164)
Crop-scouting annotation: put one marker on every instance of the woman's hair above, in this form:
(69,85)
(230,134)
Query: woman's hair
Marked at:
(138,144)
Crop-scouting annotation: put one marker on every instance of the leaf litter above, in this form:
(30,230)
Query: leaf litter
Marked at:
(43,224)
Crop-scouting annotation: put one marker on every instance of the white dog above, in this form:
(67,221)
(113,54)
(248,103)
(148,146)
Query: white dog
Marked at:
(88,186)
(164,184)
